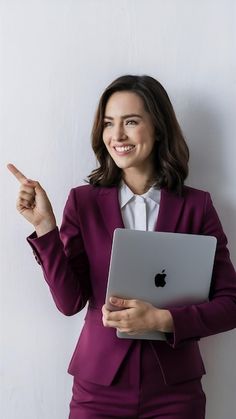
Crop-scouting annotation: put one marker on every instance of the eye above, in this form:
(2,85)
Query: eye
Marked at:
(131,122)
(106,124)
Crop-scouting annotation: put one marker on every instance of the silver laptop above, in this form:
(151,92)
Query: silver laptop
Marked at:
(165,269)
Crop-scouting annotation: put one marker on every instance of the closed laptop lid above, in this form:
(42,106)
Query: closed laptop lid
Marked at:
(165,269)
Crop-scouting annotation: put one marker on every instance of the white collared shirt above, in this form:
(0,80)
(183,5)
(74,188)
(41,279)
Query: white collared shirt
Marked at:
(139,212)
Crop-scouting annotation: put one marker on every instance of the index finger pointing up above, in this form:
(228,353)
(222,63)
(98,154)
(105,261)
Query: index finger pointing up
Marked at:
(19,176)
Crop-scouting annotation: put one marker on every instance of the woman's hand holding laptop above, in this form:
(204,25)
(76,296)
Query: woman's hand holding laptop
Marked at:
(136,316)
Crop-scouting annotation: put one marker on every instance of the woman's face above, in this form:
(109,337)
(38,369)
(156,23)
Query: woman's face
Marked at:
(128,131)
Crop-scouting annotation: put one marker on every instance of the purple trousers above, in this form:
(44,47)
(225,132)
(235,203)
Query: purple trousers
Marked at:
(138,392)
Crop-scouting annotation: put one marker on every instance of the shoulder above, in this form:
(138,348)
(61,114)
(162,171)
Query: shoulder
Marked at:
(84,189)
(197,200)
(195,195)
(90,190)
(87,195)
(190,191)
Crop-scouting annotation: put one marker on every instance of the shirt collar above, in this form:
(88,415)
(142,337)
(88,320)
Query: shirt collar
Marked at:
(154,194)
(125,194)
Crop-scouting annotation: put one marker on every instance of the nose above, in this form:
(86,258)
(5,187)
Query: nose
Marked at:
(118,133)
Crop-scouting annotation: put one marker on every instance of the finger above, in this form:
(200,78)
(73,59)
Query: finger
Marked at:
(19,176)
(121,315)
(20,207)
(111,324)
(27,195)
(123,303)
(28,189)
(23,203)
(26,202)
(106,321)
(105,310)
(32,185)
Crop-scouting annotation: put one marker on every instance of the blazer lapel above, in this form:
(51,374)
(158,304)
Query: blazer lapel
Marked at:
(171,206)
(169,212)
(109,207)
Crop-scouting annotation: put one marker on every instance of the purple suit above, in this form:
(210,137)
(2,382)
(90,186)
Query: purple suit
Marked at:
(75,264)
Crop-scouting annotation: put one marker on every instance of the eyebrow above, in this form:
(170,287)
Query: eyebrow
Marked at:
(125,116)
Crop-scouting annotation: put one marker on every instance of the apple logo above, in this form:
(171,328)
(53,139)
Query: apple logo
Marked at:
(160,279)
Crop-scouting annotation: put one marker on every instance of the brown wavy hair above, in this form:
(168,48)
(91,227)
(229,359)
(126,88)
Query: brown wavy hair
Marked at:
(171,153)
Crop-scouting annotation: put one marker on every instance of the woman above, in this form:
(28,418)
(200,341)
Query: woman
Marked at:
(142,155)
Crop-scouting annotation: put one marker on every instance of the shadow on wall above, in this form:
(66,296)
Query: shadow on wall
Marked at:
(205,136)
(203,128)
(204,131)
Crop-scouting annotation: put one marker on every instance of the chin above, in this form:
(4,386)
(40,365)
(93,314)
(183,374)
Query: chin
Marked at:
(122,164)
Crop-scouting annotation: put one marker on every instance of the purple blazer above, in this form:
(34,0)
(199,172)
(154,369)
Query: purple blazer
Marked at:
(75,264)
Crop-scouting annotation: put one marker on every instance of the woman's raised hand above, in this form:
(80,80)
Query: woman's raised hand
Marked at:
(33,203)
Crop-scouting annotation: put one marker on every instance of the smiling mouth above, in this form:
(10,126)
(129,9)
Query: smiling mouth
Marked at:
(124,149)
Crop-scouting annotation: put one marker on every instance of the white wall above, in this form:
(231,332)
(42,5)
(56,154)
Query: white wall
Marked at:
(56,58)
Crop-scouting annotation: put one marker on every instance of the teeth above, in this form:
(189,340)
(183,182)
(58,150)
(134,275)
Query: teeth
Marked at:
(124,148)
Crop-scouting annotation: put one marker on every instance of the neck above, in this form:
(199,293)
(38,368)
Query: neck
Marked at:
(138,183)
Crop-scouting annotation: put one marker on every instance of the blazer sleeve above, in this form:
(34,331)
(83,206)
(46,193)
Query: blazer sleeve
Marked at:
(64,262)
(217,315)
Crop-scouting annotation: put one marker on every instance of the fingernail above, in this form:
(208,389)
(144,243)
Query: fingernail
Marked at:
(113,300)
